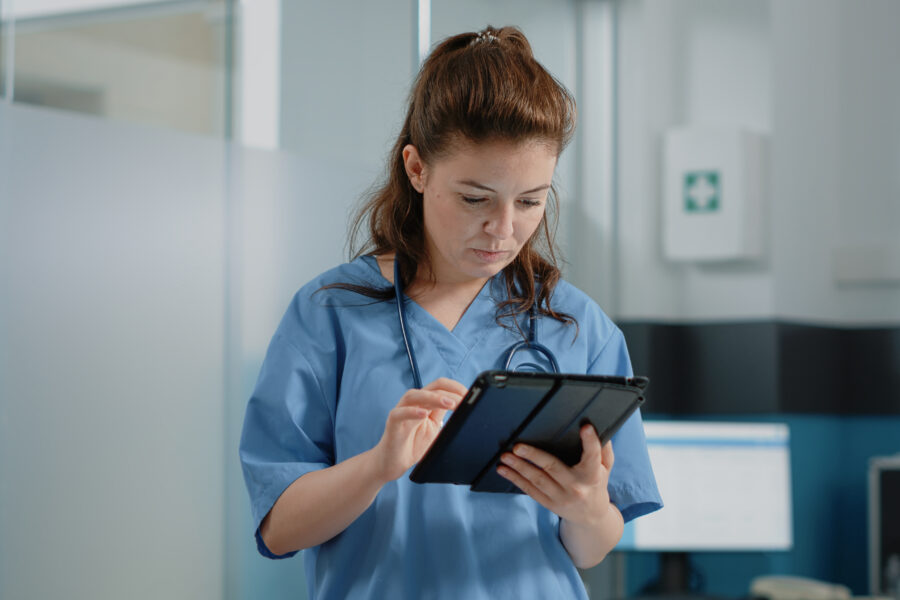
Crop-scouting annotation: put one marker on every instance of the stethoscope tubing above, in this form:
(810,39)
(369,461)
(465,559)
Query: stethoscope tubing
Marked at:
(401,309)
(530,344)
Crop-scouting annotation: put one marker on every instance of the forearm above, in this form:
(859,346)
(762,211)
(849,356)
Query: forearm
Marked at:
(588,544)
(321,504)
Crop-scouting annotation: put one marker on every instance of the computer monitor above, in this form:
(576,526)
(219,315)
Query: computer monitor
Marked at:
(725,487)
(884,526)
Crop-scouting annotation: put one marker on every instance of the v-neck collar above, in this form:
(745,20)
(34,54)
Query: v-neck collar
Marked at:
(453,345)
(471,313)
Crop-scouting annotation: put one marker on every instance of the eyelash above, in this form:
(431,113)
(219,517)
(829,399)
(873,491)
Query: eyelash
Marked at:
(528,202)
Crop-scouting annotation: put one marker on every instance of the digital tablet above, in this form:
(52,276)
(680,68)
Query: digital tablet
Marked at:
(545,410)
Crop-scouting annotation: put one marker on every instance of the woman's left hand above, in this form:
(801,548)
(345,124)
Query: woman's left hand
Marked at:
(577,494)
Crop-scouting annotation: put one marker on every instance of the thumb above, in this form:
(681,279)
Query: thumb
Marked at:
(591,450)
(608,457)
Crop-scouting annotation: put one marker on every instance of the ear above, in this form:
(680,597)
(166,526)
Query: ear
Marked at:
(415,168)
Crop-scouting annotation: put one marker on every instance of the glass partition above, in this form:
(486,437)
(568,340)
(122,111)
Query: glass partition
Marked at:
(157,63)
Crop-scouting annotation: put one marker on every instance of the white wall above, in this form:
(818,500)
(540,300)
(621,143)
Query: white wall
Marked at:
(678,63)
(836,155)
(819,78)
(346,67)
(549,25)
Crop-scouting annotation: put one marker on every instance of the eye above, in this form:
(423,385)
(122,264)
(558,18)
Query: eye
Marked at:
(469,200)
(530,202)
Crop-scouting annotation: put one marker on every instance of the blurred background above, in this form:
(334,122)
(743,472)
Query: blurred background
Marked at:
(172,171)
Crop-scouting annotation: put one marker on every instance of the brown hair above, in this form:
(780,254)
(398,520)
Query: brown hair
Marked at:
(478,86)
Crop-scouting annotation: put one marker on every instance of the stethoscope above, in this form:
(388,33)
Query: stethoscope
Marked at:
(530,344)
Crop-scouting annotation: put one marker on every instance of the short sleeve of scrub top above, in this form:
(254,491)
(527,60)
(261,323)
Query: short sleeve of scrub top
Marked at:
(335,368)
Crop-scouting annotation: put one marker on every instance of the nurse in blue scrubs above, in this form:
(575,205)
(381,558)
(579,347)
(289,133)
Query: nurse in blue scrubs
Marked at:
(463,228)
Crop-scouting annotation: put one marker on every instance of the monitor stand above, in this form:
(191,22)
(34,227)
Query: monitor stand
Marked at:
(674,573)
(674,582)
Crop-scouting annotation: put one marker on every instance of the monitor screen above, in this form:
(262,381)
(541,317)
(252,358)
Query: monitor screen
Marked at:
(725,486)
(884,526)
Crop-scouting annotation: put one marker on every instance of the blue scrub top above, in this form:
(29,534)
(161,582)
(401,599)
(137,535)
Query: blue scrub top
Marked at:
(336,367)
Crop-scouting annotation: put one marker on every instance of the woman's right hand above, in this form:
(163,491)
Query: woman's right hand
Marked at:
(324,502)
(413,425)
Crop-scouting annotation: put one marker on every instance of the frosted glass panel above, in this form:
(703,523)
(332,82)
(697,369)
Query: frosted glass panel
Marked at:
(111,370)
(142,274)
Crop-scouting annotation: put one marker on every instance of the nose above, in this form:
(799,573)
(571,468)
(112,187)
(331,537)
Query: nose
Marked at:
(500,222)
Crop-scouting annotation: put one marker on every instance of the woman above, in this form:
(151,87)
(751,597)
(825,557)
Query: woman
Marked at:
(338,417)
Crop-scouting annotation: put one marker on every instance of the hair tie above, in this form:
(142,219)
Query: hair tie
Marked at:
(484,37)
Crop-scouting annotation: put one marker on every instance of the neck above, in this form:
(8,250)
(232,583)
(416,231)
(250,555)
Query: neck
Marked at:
(441,275)
(445,299)
(434,281)
(445,286)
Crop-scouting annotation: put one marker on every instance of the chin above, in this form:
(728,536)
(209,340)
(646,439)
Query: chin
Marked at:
(489,269)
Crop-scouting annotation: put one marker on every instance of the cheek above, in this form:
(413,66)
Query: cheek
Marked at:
(529,225)
(451,220)
(444,222)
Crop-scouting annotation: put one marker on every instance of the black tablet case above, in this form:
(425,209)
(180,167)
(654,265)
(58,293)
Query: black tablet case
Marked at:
(545,410)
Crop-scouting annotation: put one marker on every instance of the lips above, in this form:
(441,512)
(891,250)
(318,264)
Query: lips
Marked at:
(490,255)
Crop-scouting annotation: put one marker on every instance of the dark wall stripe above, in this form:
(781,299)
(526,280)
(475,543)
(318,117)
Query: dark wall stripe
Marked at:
(766,367)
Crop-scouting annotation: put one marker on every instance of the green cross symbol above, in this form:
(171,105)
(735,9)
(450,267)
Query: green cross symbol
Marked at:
(702,191)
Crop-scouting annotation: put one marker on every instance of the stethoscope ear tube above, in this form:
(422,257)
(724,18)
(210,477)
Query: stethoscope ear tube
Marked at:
(401,309)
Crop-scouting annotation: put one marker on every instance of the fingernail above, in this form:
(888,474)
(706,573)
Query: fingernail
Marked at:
(506,458)
(520,450)
(447,402)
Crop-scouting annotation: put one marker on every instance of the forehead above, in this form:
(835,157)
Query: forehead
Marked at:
(532,159)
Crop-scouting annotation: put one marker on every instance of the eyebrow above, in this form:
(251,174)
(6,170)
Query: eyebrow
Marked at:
(475,184)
